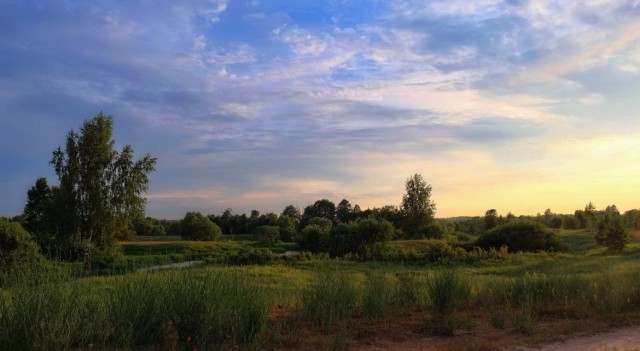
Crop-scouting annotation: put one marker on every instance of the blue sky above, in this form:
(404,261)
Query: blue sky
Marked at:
(513,105)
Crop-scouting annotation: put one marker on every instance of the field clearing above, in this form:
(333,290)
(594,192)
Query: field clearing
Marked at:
(319,303)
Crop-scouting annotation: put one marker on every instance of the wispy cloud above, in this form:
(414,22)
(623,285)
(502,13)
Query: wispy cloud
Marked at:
(261,104)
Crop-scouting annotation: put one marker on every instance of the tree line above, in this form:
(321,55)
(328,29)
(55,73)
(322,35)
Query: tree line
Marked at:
(99,201)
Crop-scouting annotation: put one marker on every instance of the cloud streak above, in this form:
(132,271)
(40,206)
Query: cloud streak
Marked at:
(260,104)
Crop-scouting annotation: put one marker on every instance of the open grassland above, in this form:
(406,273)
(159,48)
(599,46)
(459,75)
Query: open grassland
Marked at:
(322,303)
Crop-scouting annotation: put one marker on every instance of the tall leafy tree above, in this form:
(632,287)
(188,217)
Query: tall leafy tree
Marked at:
(36,212)
(105,185)
(490,219)
(292,212)
(590,214)
(611,229)
(321,208)
(417,208)
(344,212)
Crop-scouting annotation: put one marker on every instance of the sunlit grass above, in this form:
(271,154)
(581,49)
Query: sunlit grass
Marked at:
(216,305)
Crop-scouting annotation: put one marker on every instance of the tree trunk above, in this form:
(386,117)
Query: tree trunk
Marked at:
(87,255)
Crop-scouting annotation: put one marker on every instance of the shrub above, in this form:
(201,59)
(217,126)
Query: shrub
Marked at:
(312,238)
(195,226)
(570,222)
(17,249)
(432,230)
(612,232)
(267,233)
(555,222)
(352,237)
(342,239)
(248,256)
(522,235)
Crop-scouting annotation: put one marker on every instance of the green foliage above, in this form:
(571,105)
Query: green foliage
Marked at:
(322,222)
(342,239)
(555,222)
(522,235)
(570,222)
(611,231)
(267,233)
(417,208)
(321,208)
(99,187)
(371,230)
(17,249)
(50,217)
(195,226)
(144,227)
(312,238)
(287,228)
(249,256)
(632,217)
(490,219)
(352,237)
(433,230)
(344,212)
(292,212)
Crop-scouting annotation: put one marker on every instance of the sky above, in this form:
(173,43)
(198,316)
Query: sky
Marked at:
(516,105)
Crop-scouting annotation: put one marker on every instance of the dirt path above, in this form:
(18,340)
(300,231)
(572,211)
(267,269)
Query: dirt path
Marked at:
(169,266)
(623,339)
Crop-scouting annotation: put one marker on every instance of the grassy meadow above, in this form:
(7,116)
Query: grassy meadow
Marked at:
(314,302)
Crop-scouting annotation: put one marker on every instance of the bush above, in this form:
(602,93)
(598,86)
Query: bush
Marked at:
(612,232)
(373,230)
(353,237)
(570,222)
(342,239)
(312,238)
(555,222)
(267,233)
(195,226)
(432,230)
(258,256)
(17,249)
(522,235)
(111,257)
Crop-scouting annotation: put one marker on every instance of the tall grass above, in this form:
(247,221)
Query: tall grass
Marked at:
(331,300)
(52,307)
(378,295)
(409,289)
(185,309)
(447,288)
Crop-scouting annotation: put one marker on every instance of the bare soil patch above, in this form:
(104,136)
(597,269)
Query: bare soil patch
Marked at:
(407,330)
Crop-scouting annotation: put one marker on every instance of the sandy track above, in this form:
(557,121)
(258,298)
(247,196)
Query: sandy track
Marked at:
(623,339)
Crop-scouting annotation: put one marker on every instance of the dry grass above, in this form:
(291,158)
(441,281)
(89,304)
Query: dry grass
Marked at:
(404,330)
